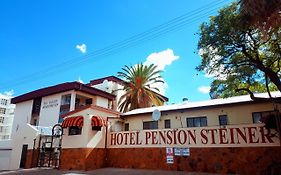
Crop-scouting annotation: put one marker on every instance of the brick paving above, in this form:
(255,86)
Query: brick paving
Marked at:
(103,171)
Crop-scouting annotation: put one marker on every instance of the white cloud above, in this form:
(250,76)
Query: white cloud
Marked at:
(204,89)
(82,48)
(9,93)
(161,60)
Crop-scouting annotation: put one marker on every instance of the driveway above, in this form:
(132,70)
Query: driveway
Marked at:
(103,171)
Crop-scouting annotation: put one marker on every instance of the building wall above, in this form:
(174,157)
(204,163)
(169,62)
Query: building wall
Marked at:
(5,154)
(242,160)
(88,137)
(229,160)
(83,158)
(25,135)
(50,109)
(111,87)
(101,101)
(237,114)
(22,116)
(6,120)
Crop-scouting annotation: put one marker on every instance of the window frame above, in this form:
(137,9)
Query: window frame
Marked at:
(74,130)
(96,128)
(222,120)
(167,123)
(3,110)
(126,127)
(2,119)
(192,121)
(151,125)
(262,114)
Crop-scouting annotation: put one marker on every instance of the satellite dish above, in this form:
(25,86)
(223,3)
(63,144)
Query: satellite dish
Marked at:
(156,114)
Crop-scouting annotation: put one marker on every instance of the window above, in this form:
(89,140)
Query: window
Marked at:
(1,119)
(74,130)
(2,111)
(126,126)
(35,122)
(256,116)
(167,123)
(223,120)
(5,137)
(196,121)
(65,99)
(96,128)
(89,101)
(4,101)
(36,105)
(1,128)
(150,125)
(6,129)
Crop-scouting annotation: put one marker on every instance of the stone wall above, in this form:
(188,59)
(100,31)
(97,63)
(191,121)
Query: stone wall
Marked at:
(82,158)
(31,158)
(243,160)
(240,160)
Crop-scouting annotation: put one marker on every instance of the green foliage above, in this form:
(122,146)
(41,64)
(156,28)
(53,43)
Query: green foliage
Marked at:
(139,92)
(238,55)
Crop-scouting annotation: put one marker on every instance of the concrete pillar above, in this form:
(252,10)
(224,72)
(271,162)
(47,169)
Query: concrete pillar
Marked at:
(72,101)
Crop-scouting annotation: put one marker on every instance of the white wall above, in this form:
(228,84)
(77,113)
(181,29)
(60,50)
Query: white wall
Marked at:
(6,125)
(114,88)
(103,102)
(50,109)
(22,116)
(5,154)
(88,137)
(26,134)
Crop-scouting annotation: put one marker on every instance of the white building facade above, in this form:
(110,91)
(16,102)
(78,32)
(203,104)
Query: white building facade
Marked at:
(6,116)
(43,108)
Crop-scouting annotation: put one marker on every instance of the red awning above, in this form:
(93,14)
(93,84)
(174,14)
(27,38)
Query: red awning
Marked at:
(73,121)
(98,121)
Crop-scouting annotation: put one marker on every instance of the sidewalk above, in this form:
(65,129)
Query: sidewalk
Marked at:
(103,171)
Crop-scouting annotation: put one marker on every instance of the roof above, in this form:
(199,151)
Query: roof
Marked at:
(92,107)
(117,80)
(109,78)
(202,104)
(62,88)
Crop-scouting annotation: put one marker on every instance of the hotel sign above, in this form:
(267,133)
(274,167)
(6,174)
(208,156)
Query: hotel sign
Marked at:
(229,136)
(50,104)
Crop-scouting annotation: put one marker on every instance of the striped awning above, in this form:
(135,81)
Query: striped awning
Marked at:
(98,121)
(73,121)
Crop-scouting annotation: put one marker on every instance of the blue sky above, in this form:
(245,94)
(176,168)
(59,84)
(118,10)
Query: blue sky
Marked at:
(42,42)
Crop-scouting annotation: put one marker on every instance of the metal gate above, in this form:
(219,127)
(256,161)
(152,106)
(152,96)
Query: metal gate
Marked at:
(49,148)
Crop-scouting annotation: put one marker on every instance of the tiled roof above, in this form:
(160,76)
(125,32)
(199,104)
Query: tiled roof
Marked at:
(201,104)
(61,88)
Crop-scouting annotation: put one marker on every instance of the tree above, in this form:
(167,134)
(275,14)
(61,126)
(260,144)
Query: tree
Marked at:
(139,90)
(264,14)
(237,55)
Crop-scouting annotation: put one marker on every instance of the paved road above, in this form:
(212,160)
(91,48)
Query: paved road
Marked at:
(103,171)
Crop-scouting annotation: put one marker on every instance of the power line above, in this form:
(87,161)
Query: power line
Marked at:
(133,41)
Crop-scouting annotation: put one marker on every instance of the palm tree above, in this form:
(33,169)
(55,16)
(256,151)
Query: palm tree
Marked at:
(138,87)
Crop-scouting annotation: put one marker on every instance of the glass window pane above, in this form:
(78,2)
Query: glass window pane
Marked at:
(189,122)
(256,117)
(126,126)
(223,120)
(203,121)
(167,123)
(197,122)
